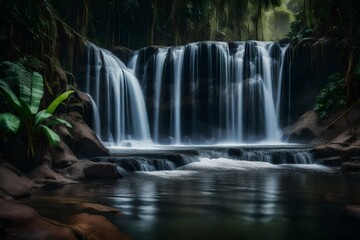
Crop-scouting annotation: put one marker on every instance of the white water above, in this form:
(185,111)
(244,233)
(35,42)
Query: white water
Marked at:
(201,93)
(160,60)
(178,64)
(120,107)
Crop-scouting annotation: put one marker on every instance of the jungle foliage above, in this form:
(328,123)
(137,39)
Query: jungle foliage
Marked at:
(24,116)
(138,23)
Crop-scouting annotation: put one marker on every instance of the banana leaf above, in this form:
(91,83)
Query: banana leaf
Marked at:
(52,107)
(9,122)
(52,136)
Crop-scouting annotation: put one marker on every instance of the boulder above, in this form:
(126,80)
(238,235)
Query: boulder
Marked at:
(84,143)
(86,169)
(95,227)
(304,130)
(14,183)
(19,222)
(60,156)
(45,175)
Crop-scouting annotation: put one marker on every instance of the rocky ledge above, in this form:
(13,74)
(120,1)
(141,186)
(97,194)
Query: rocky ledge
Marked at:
(336,140)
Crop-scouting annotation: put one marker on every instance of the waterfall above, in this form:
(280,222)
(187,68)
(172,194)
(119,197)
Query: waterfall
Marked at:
(160,60)
(200,93)
(117,99)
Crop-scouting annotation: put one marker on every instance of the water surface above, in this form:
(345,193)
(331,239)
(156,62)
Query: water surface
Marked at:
(220,199)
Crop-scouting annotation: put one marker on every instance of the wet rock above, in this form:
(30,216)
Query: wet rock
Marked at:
(95,227)
(85,169)
(327,151)
(330,161)
(123,53)
(22,222)
(98,207)
(13,183)
(336,150)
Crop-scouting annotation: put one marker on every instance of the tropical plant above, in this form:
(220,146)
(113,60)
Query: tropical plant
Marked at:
(298,29)
(331,96)
(24,112)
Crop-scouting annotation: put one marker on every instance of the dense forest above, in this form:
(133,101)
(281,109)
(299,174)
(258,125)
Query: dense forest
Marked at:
(43,29)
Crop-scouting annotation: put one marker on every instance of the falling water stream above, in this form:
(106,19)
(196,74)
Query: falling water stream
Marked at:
(201,93)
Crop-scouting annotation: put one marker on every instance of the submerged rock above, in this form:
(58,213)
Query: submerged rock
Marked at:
(22,222)
(98,207)
(97,227)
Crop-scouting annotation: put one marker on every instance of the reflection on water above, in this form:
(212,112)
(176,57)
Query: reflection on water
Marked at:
(221,199)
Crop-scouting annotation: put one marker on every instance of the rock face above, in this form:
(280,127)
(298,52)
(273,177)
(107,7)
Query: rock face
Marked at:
(336,139)
(313,61)
(14,184)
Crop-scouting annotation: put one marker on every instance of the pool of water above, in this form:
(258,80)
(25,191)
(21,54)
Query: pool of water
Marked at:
(220,199)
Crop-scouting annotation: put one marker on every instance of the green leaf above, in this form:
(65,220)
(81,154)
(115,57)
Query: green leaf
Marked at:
(12,73)
(52,136)
(40,117)
(37,91)
(30,85)
(9,122)
(9,95)
(25,113)
(57,121)
(52,107)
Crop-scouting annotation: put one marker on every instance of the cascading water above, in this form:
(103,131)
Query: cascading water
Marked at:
(201,93)
(120,112)
(213,92)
